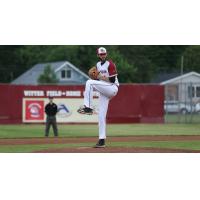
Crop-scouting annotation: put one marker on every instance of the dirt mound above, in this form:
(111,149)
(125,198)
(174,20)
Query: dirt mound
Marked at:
(115,150)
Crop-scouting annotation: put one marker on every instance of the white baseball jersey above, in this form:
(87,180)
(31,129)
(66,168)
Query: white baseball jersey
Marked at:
(108,69)
(107,90)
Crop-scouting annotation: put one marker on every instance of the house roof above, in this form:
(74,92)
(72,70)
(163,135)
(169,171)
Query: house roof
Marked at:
(164,77)
(31,76)
(177,78)
(73,67)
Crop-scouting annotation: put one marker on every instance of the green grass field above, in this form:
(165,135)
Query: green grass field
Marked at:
(181,118)
(113,130)
(23,131)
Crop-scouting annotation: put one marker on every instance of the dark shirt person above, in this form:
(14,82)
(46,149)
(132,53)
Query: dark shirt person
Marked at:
(51,109)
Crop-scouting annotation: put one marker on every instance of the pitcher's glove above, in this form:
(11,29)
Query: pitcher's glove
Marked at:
(93,73)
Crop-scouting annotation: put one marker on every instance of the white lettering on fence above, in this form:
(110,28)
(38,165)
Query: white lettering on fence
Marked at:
(55,93)
(33,93)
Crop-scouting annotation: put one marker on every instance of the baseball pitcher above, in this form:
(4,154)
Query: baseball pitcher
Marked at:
(104,80)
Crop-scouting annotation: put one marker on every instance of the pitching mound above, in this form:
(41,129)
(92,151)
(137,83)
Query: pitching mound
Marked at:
(115,150)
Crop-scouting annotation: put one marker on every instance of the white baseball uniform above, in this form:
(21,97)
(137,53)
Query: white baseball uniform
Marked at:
(107,90)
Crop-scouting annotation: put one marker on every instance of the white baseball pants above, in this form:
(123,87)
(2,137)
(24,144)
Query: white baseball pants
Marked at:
(107,91)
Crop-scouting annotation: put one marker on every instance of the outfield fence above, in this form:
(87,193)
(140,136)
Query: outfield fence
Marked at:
(134,103)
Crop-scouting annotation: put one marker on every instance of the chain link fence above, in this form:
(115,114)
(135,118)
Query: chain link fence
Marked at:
(182,103)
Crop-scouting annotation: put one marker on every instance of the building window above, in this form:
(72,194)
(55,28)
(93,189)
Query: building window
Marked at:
(198,91)
(63,74)
(66,74)
(191,91)
(171,92)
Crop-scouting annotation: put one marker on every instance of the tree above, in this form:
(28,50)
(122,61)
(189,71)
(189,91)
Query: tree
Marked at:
(166,57)
(48,76)
(192,59)
(152,59)
(126,71)
(137,56)
(8,67)
(135,63)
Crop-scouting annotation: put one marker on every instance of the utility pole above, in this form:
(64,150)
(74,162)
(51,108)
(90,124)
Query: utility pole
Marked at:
(181,87)
(182,64)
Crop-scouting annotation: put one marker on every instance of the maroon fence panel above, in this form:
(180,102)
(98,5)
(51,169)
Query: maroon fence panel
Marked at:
(137,103)
(134,103)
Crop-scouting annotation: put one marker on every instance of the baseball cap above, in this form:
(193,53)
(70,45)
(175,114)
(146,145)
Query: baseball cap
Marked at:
(101,50)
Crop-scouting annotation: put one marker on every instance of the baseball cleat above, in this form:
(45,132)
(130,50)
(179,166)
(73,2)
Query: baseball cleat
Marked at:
(85,110)
(100,144)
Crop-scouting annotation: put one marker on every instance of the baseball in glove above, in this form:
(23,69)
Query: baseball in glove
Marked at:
(93,73)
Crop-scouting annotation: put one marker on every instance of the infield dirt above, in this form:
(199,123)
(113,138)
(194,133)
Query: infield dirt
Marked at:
(87,149)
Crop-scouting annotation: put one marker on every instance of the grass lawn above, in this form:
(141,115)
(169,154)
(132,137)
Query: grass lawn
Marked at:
(181,118)
(23,131)
(120,130)
(189,145)
(37,147)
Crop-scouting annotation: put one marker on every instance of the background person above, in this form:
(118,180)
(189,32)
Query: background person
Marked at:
(51,109)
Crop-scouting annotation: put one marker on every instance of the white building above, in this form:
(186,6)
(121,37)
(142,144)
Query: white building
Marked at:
(184,88)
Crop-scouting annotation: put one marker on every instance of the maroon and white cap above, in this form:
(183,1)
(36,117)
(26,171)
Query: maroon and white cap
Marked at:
(101,50)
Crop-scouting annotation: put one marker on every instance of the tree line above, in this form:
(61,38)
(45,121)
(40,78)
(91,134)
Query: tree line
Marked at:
(135,63)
